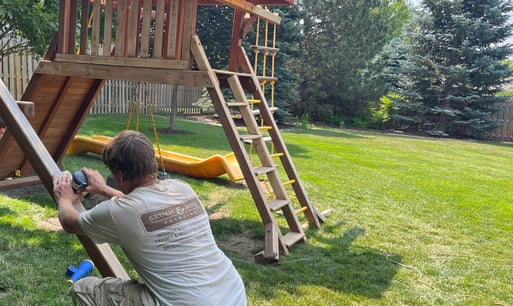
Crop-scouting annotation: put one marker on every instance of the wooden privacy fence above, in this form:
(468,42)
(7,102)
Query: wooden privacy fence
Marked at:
(505,132)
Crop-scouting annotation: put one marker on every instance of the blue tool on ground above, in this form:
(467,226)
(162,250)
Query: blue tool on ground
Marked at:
(75,273)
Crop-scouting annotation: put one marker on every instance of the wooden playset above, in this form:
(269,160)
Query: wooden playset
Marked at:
(154,41)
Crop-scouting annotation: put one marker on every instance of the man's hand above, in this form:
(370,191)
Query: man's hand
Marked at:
(62,190)
(97,185)
(65,198)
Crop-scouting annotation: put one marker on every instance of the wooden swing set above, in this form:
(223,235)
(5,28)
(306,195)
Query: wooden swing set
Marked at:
(115,41)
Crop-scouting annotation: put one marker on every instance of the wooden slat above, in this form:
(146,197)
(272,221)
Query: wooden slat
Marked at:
(95,43)
(64,13)
(107,31)
(145,32)
(132,28)
(159,30)
(120,29)
(189,29)
(173,16)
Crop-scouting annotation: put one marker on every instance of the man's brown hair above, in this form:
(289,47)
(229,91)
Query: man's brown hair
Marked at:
(131,155)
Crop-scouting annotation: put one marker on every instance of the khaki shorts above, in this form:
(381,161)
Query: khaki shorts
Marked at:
(109,292)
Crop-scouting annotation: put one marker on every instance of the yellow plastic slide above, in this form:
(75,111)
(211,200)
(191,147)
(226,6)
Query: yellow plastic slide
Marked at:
(211,167)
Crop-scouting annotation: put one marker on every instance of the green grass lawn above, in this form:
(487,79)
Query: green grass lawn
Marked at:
(415,221)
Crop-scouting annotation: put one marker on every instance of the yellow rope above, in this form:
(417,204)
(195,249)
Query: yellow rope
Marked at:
(150,109)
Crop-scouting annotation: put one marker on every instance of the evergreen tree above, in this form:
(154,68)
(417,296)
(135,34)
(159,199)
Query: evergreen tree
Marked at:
(454,66)
(341,38)
(214,29)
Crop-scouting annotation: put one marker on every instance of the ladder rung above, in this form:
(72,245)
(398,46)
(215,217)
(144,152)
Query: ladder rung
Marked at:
(292,238)
(264,170)
(265,128)
(262,48)
(257,111)
(302,209)
(268,139)
(290,182)
(254,101)
(236,104)
(276,204)
(277,155)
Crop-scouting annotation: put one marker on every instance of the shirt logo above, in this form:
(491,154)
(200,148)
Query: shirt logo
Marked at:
(171,215)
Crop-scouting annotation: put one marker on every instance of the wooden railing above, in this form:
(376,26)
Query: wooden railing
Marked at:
(140,29)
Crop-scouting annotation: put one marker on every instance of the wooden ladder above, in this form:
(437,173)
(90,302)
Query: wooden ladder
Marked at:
(242,85)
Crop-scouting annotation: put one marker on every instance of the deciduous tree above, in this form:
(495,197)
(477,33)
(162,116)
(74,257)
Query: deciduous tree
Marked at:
(34,21)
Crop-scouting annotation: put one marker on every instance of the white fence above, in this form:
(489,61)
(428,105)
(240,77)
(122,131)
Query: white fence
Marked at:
(117,97)
(16,70)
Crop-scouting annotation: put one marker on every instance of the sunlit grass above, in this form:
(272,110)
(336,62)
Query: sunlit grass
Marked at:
(416,221)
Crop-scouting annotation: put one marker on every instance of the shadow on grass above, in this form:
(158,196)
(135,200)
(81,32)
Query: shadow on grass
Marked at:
(327,261)
(33,263)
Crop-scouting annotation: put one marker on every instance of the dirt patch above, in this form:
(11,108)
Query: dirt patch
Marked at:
(241,244)
(21,192)
(50,224)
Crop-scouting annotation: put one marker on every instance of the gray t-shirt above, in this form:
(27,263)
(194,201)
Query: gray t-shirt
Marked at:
(165,233)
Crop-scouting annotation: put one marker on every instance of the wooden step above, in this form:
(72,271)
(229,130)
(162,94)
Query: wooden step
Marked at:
(264,170)
(249,138)
(266,78)
(292,238)
(263,48)
(277,204)
(236,104)
(257,111)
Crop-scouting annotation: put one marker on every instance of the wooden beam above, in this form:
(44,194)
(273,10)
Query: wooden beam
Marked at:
(247,7)
(164,75)
(41,160)
(257,2)
(236,41)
